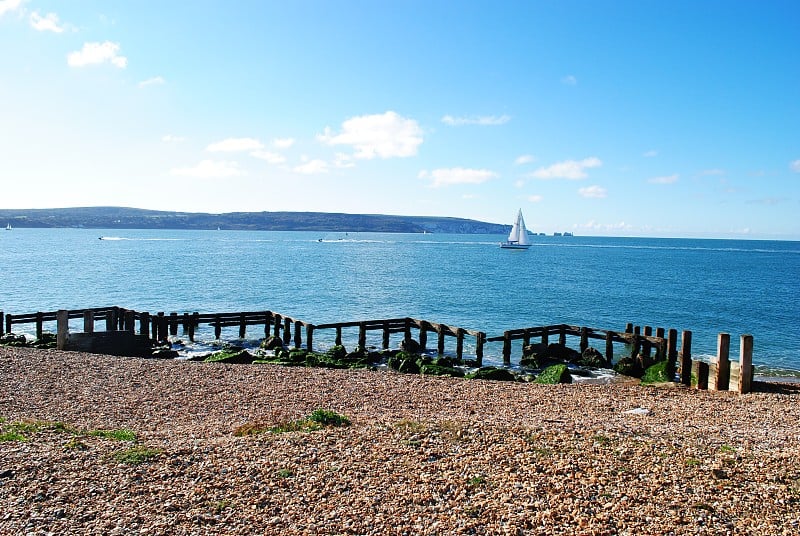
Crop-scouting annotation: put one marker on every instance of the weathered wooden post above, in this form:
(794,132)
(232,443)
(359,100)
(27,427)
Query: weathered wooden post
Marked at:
(407,331)
(130,321)
(686,357)
(88,322)
(459,343)
(723,378)
(584,339)
(362,335)
(144,323)
(8,323)
(310,337)
(163,332)
(440,339)
(276,332)
(338,340)
(647,345)
(545,336)
(39,321)
(242,326)
(298,334)
(287,331)
(562,336)
(62,328)
(672,352)
(173,324)
(217,327)
(526,338)
(1,323)
(506,348)
(267,318)
(423,334)
(480,338)
(745,364)
(111,323)
(609,347)
(385,339)
(119,318)
(185,324)
(700,369)
(629,327)
(154,326)
(190,328)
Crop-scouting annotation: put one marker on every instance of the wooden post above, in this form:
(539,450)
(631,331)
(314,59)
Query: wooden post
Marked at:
(723,379)
(459,343)
(130,321)
(119,318)
(423,334)
(163,328)
(144,324)
(629,327)
(62,328)
(480,338)
(88,322)
(701,371)
(385,340)
(39,320)
(277,330)
(686,357)
(110,321)
(506,348)
(310,337)
(1,323)
(545,337)
(584,339)
(267,318)
(745,364)
(526,338)
(191,325)
(173,324)
(440,339)
(217,327)
(362,335)
(562,336)
(672,352)
(8,323)
(407,330)
(609,347)
(338,341)
(647,345)
(154,325)
(185,324)
(298,334)
(637,330)
(242,326)
(287,331)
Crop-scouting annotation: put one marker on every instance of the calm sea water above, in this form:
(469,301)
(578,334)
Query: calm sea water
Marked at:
(707,286)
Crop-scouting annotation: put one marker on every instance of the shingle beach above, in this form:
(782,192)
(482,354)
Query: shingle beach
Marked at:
(422,455)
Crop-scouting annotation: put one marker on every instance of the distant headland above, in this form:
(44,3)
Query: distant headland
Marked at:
(134,218)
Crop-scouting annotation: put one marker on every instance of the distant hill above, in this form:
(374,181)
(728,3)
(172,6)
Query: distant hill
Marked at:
(134,218)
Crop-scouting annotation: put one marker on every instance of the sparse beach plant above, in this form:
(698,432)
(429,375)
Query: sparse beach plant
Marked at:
(328,418)
(136,455)
(692,462)
(119,435)
(285,473)
(12,436)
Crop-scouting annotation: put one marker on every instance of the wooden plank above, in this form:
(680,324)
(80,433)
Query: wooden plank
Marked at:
(745,364)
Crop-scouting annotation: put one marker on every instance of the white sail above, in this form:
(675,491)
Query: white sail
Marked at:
(518,237)
(513,236)
(522,237)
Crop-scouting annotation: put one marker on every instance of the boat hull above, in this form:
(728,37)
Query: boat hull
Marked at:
(505,245)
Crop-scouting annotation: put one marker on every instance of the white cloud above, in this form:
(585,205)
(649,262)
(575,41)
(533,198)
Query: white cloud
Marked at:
(451,176)
(342,160)
(233,145)
(519,183)
(169,138)
(96,53)
(48,23)
(596,226)
(210,169)
(652,153)
(535,198)
(569,80)
(795,166)
(283,143)
(524,159)
(7,6)
(155,81)
(670,179)
(592,192)
(568,169)
(387,135)
(312,167)
(269,156)
(486,120)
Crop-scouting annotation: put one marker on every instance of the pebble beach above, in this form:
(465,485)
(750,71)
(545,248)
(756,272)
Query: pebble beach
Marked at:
(421,455)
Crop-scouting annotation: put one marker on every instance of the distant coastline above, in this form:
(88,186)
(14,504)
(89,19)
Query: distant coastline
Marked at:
(133,218)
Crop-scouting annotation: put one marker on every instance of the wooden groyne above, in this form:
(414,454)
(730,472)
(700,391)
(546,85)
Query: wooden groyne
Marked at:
(647,345)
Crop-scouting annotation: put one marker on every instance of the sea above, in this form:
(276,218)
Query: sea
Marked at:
(703,285)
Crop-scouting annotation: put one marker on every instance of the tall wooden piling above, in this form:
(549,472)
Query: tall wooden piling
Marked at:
(337,341)
(111,323)
(8,323)
(277,328)
(144,324)
(686,357)
(480,338)
(62,329)
(545,337)
(701,369)
(267,319)
(745,364)
(584,339)
(173,324)
(1,323)
(287,331)
(88,322)
(242,326)
(298,334)
(39,322)
(130,321)
(647,345)
(423,334)
(609,347)
(723,377)
(459,343)
(362,335)
(506,348)
(672,352)
(562,336)
(440,339)
(310,337)
(385,338)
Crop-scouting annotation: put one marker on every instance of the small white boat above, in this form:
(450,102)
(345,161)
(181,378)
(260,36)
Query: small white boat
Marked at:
(518,237)
(8,227)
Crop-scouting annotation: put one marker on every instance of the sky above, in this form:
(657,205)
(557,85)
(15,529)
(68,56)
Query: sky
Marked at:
(620,118)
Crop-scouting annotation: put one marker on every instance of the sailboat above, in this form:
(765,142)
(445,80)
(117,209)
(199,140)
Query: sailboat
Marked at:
(8,227)
(518,237)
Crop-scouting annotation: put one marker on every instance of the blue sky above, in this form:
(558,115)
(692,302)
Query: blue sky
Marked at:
(640,118)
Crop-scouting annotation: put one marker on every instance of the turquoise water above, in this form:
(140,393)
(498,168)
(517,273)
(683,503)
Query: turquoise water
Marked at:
(707,286)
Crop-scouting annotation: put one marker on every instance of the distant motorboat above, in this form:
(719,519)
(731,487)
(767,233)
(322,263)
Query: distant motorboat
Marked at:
(518,237)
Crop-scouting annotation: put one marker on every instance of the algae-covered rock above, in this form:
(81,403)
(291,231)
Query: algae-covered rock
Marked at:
(592,358)
(493,373)
(555,374)
(405,362)
(48,340)
(657,373)
(628,366)
(272,343)
(233,354)
(12,339)
(438,370)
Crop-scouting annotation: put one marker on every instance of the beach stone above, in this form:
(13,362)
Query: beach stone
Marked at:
(12,339)
(234,355)
(562,353)
(410,345)
(591,357)
(272,343)
(493,373)
(555,374)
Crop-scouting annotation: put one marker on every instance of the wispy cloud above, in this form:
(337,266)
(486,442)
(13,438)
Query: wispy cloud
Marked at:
(233,145)
(283,143)
(535,198)
(484,120)
(652,153)
(48,23)
(97,53)
(457,175)
(312,167)
(795,166)
(155,81)
(210,169)
(569,80)
(269,156)
(669,179)
(568,169)
(169,138)
(524,159)
(387,135)
(593,192)
(7,6)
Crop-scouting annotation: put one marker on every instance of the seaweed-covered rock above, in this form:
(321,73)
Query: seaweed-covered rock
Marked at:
(12,339)
(405,362)
(592,358)
(272,343)
(657,373)
(164,353)
(47,340)
(628,366)
(555,374)
(534,349)
(410,345)
(233,354)
(493,373)
(562,353)
(438,370)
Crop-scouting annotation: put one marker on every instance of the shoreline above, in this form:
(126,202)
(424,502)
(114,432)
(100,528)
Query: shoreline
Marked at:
(422,455)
